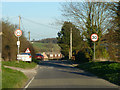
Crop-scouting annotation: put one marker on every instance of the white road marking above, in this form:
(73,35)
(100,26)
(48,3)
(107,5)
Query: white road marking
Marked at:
(29,83)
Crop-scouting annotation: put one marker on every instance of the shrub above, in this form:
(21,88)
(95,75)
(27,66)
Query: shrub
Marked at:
(9,40)
(81,57)
(107,70)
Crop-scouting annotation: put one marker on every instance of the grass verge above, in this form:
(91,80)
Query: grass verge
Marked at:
(109,71)
(21,64)
(12,78)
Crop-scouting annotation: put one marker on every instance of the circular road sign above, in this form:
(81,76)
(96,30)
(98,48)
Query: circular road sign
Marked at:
(18,33)
(94,37)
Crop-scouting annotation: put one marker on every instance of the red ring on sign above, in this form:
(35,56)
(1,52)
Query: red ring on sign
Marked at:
(17,34)
(91,37)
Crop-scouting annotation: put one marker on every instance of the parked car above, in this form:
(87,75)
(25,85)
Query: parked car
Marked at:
(24,57)
(39,56)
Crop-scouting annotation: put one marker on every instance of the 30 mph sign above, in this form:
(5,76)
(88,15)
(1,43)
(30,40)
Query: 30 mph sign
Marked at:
(18,33)
(94,37)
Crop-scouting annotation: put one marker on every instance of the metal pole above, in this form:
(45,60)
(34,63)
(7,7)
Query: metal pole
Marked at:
(18,46)
(94,51)
(18,37)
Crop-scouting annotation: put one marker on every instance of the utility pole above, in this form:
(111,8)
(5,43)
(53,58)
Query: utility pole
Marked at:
(19,21)
(29,35)
(70,54)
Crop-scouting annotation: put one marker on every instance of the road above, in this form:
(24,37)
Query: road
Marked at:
(60,74)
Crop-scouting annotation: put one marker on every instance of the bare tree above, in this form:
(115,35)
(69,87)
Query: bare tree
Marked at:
(89,13)
(90,17)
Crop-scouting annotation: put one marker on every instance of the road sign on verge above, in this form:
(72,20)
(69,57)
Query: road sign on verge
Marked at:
(18,33)
(94,37)
(27,50)
(18,43)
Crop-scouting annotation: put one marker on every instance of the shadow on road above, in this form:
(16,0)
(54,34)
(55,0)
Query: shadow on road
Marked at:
(56,64)
(64,66)
(82,73)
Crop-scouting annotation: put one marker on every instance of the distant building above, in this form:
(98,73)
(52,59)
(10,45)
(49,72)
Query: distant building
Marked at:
(53,55)
(45,56)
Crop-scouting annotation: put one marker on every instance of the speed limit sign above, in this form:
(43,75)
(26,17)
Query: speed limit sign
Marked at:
(18,33)
(94,37)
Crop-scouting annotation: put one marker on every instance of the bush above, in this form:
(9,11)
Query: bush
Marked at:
(106,70)
(80,57)
(9,40)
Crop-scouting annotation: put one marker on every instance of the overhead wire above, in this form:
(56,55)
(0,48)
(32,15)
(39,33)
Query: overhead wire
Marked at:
(39,23)
(22,24)
(25,29)
(34,35)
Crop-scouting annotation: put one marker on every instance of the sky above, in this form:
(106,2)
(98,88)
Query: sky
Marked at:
(37,17)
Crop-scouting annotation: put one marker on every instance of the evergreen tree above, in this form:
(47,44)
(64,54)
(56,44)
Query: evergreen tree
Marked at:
(64,38)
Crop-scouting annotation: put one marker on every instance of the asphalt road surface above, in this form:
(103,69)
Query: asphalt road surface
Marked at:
(61,74)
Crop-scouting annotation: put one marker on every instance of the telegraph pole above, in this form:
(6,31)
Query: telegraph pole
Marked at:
(29,35)
(70,54)
(19,21)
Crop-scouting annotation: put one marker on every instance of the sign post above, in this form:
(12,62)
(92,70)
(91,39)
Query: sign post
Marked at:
(94,38)
(94,51)
(18,33)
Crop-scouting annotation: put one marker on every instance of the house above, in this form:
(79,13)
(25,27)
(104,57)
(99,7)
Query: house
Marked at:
(45,56)
(54,55)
